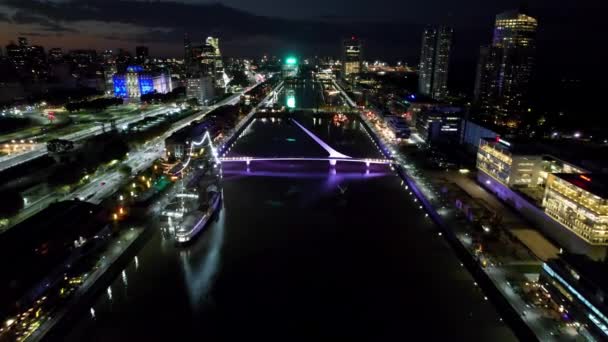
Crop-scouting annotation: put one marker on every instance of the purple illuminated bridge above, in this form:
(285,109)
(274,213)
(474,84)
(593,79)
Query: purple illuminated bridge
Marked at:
(333,157)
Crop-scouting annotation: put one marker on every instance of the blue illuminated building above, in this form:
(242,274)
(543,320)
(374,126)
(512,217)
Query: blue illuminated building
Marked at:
(146,84)
(120,85)
(135,82)
(135,68)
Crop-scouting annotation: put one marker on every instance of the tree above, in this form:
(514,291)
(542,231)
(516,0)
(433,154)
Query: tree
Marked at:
(240,78)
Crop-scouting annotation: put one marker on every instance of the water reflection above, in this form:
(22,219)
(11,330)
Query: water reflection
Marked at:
(200,271)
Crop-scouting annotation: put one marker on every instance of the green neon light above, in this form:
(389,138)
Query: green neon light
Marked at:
(291,60)
(291,102)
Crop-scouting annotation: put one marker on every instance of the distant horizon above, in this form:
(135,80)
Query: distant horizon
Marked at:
(566,36)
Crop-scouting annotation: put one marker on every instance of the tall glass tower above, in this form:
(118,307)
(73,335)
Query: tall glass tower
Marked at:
(434,62)
(351,57)
(505,68)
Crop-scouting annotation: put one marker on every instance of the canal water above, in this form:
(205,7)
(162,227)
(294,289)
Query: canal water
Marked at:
(300,251)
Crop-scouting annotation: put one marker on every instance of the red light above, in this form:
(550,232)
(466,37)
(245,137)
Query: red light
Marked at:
(583,177)
(498,138)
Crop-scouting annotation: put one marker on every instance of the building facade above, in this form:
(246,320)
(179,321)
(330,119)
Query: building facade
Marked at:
(505,68)
(579,286)
(135,82)
(579,202)
(434,62)
(200,88)
(496,159)
(439,124)
(352,57)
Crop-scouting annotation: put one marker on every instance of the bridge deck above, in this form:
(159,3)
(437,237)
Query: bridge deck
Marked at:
(350,160)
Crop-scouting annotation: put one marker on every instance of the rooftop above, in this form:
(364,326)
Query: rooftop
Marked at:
(596,184)
(515,147)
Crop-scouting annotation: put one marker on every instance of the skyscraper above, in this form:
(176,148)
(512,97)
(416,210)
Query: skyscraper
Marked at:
(351,57)
(187,53)
(29,61)
(505,68)
(434,62)
(486,79)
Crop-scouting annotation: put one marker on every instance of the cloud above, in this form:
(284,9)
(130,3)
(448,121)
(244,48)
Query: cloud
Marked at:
(22,17)
(38,34)
(203,19)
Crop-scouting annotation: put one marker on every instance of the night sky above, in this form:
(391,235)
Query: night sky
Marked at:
(570,37)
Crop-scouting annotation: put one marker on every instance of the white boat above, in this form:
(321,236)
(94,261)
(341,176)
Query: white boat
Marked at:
(195,221)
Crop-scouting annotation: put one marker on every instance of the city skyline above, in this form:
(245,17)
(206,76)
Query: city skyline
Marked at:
(188,170)
(271,33)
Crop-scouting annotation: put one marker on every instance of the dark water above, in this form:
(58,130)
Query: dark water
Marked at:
(282,137)
(303,94)
(300,252)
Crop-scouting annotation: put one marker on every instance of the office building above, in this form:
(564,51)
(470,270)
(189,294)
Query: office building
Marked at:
(187,53)
(135,82)
(17,55)
(107,57)
(352,57)
(486,80)
(579,202)
(559,198)
(579,288)
(439,124)
(434,62)
(511,165)
(29,61)
(205,60)
(109,70)
(505,68)
(200,88)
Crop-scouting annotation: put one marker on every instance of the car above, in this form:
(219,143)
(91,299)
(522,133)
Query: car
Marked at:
(103,183)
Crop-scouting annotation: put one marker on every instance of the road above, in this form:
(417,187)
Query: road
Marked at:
(95,192)
(39,150)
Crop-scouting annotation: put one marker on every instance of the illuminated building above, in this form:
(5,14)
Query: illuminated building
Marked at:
(508,165)
(505,68)
(579,202)
(560,199)
(290,67)
(206,60)
(352,56)
(486,79)
(439,124)
(135,82)
(109,71)
(579,287)
(200,88)
(187,54)
(434,62)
